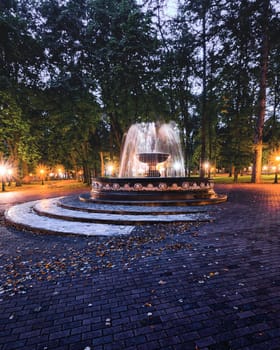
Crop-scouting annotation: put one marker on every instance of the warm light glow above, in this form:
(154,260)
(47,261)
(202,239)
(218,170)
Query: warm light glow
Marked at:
(59,171)
(206,165)
(110,169)
(3,170)
(6,169)
(41,169)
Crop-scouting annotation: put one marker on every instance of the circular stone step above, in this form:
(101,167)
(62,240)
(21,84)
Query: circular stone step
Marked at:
(23,217)
(49,216)
(78,203)
(50,209)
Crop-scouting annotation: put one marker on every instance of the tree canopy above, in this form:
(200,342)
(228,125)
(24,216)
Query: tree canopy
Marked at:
(75,74)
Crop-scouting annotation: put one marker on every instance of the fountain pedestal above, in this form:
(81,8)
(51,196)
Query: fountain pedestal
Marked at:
(153,159)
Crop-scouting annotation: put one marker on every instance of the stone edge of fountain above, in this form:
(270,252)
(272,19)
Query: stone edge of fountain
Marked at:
(149,191)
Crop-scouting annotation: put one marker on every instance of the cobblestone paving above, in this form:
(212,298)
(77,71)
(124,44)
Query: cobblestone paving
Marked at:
(211,286)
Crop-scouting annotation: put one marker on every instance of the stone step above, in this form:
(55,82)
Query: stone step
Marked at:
(50,208)
(23,217)
(80,203)
(216,199)
(47,216)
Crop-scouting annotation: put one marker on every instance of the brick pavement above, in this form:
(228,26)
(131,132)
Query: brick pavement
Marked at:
(213,286)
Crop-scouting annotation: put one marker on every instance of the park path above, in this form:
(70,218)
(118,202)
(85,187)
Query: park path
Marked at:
(212,286)
(249,206)
(33,192)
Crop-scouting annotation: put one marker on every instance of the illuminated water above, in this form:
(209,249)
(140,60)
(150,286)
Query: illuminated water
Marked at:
(152,138)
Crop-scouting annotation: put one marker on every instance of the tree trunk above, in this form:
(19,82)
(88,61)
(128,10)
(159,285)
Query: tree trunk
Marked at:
(203,102)
(87,174)
(102,164)
(235,177)
(258,142)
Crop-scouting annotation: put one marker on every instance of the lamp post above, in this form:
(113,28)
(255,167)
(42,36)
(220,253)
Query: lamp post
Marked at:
(109,169)
(10,172)
(276,170)
(42,176)
(3,171)
(207,168)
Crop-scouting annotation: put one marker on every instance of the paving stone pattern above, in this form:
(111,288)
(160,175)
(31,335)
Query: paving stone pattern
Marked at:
(185,286)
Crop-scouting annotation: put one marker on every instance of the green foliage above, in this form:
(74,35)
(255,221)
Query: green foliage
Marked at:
(121,45)
(16,141)
(74,75)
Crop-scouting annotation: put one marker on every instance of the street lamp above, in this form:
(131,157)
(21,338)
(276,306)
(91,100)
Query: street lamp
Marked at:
(276,170)
(42,175)
(265,168)
(207,168)
(110,169)
(3,171)
(10,172)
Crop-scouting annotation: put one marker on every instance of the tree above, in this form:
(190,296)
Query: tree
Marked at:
(202,19)
(258,141)
(80,72)
(236,86)
(121,47)
(17,144)
(70,114)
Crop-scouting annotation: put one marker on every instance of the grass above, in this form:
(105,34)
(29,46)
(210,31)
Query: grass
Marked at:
(66,184)
(225,179)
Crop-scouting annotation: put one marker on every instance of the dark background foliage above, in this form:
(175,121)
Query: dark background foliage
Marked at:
(74,75)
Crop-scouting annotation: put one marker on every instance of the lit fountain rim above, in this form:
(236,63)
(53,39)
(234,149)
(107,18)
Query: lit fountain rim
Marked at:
(155,191)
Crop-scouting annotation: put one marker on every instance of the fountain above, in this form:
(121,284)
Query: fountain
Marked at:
(151,144)
(151,188)
(152,171)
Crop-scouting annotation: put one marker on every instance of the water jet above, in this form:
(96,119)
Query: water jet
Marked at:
(152,172)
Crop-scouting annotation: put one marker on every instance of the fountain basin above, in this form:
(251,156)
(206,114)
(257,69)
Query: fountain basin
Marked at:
(155,191)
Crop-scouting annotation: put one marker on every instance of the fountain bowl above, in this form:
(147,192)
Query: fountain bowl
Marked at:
(153,157)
